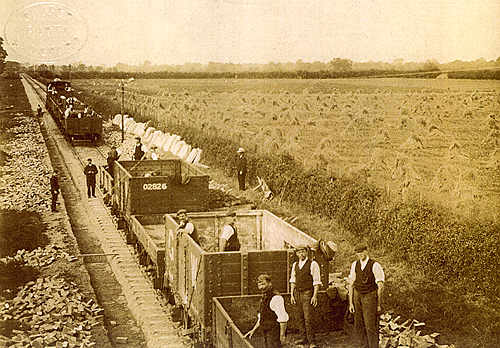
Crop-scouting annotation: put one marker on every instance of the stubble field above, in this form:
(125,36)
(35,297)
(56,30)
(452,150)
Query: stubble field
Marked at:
(436,140)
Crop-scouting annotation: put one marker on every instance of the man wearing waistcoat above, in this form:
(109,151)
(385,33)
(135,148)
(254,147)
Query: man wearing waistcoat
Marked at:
(186,226)
(366,283)
(305,280)
(272,317)
(139,150)
(229,240)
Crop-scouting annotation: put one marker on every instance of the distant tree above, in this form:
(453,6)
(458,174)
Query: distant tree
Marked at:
(3,55)
(497,61)
(339,64)
(430,65)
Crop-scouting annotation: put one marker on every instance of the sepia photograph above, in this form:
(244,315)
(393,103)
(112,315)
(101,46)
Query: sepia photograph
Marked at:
(249,174)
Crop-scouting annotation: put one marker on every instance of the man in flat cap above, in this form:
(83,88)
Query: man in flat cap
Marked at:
(241,167)
(305,280)
(366,283)
(90,172)
(186,226)
(139,150)
(272,318)
(229,240)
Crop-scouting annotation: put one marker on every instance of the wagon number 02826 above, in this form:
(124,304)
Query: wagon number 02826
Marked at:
(154,187)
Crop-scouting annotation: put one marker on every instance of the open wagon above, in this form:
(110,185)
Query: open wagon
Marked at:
(157,187)
(195,274)
(234,316)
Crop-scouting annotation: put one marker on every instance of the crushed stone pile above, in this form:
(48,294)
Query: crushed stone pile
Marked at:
(406,335)
(23,168)
(51,313)
(39,257)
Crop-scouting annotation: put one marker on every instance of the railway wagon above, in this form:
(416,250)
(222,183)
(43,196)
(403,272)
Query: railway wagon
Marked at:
(85,127)
(234,316)
(154,188)
(149,234)
(195,274)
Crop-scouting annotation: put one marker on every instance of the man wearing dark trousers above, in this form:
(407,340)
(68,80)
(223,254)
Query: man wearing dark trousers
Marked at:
(366,283)
(90,172)
(272,317)
(241,166)
(305,280)
(54,190)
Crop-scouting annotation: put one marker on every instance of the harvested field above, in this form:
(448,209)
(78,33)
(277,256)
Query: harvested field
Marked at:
(431,139)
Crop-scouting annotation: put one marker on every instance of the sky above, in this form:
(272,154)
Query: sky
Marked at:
(248,31)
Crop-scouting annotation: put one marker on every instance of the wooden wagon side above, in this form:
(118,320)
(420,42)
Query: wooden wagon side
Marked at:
(233,316)
(148,230)
(225,273)
(157,187)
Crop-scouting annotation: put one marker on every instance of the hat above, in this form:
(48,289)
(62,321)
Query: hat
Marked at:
(138,138)
(182,211)
(360,247)
(266,277)
(241,150)
(154,147)
(302,247)
(231,214)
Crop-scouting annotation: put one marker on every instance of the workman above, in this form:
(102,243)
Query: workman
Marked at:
(90,172)
(113,156)
(305,281)
(229,240)
(139,150)
(54,190)
(241,167)
(272,317)
(39,111)
(366,284)
(186,226)
(154,154)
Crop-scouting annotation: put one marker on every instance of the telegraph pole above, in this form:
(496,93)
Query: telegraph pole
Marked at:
(121,111)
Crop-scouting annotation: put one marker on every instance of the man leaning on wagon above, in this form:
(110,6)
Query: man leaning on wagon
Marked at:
(186,226)
(366,283)
(272,318)
(305,280)
(229,240)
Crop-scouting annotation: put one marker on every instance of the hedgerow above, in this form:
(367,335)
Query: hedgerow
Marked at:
(426,236)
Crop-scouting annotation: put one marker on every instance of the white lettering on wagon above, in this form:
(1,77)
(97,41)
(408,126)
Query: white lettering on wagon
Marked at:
(154,187)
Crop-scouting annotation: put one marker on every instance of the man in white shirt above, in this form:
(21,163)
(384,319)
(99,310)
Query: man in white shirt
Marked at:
(229,240)
(366,284)
(272,317)
(305,281)
(185,226)
(154,154)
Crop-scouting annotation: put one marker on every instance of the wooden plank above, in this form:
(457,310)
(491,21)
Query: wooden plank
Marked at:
(244,273)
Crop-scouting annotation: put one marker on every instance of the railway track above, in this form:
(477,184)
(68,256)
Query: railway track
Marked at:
(106,243)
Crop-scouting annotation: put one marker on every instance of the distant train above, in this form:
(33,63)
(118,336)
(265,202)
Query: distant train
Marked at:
(76,120)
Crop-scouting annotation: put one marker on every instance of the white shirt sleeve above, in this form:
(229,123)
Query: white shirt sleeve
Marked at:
(292,274)
(189,228)
(378,272)
(227,232)
(277,305)
(352,274)
(316,274)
